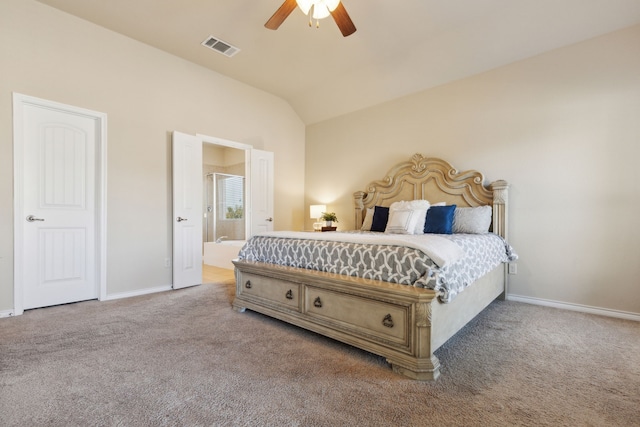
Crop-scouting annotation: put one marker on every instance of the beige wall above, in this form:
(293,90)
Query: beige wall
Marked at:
(146,94)
(563,128)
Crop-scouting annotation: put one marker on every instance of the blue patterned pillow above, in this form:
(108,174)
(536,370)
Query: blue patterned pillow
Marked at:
(439,219)
(380,218)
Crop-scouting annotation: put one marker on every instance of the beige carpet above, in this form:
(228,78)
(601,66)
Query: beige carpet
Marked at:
(185,358)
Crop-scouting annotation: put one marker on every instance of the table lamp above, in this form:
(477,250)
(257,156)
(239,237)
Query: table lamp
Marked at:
(316,211)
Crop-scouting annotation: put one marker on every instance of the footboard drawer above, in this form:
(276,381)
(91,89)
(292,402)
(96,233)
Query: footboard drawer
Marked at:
(377,320)
(267,289)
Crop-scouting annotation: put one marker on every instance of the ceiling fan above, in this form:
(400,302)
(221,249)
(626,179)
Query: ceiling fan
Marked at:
(316,9)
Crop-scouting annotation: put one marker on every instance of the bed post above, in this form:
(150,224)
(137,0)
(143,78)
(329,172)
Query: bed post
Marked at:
(500,199)
(500,221)
(358,196)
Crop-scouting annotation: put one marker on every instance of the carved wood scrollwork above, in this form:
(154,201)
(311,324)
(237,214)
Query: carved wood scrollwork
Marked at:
(467,185)
(423,315)
(419,163)
(436,180)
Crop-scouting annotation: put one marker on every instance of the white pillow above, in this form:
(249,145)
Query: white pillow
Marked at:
(401,221)
(472,220)
(368,220)
(411,204)
(420,206)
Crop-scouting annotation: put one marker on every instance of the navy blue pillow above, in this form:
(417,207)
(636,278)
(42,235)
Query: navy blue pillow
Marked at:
(439,219)
(380,218)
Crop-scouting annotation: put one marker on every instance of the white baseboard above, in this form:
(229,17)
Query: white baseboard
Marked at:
(518,298)
(11,313)
(7,313)
(137,293)
(576,307)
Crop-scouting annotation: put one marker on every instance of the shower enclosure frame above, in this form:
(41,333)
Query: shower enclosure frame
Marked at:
(211,206)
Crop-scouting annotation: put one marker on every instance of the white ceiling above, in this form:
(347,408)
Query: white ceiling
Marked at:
(401,46)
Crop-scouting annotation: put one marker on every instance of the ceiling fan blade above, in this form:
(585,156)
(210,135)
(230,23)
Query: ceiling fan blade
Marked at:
(343,20)
(281,14)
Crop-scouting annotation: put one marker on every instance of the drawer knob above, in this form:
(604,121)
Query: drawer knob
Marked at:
(248,284)
(289,294)
(317,302)
(387,321)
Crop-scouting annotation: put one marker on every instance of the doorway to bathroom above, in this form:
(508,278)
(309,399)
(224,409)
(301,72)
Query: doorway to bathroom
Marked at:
(224,225)
(224,194)
(237,198)
(190,154)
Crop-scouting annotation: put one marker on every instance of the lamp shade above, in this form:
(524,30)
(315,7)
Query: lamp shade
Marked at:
(305,5)
(315,211)
(320,11)
(321,8)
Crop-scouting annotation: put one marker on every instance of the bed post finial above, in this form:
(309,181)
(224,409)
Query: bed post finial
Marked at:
(500,200)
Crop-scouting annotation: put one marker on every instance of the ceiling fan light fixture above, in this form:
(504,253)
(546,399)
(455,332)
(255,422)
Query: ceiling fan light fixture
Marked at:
(315,9)
(321,8)
(305,5)
(320,11)
(332,4)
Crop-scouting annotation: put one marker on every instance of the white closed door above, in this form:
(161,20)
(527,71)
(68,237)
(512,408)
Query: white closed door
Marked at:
(58,223)
(261,200)
(187,210)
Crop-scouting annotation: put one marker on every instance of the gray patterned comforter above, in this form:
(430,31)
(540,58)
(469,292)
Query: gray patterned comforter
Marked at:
(387,262)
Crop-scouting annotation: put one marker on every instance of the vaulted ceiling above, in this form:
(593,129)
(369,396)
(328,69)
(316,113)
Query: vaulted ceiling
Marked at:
(400,47)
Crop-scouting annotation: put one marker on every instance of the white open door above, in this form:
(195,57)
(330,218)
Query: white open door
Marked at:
(261,191)
(187,210)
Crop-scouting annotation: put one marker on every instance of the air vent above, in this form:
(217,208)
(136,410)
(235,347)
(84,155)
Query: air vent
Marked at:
(220,46)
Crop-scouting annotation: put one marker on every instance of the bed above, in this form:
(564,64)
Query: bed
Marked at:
(403,322)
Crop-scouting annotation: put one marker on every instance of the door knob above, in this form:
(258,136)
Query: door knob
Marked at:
(32,218)
(269,219)
(180,219)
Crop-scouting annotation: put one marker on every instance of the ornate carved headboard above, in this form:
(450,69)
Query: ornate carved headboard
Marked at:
(435,180)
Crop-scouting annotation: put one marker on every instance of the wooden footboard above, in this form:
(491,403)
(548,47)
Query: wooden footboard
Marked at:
(402,323)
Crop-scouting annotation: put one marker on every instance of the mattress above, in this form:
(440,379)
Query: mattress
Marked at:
(446,264)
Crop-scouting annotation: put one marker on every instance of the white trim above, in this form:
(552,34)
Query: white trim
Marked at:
(137,293)
(224,142)
(102,208)
(18,161)
(19,100)
(576,307)
(6,313)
